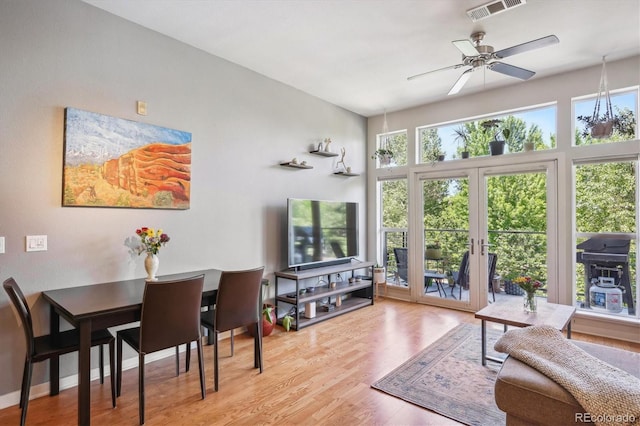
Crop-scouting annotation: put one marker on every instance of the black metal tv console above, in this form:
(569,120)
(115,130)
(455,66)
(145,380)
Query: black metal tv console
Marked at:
(309,296)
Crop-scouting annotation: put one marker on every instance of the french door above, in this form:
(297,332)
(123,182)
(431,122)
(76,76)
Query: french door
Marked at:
(479,227)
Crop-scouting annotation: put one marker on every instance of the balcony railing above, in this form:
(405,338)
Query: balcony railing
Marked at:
(519,252)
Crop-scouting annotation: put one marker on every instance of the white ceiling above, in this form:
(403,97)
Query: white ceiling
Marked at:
(358,53)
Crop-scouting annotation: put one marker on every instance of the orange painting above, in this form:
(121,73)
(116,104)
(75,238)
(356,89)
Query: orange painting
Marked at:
(112,162)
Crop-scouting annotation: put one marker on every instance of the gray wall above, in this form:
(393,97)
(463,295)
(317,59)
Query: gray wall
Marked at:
(60,53)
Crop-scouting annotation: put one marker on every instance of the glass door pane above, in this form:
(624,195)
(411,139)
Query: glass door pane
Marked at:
(394,221)
(606,217)
(515,231)
(482,228)
(445,239)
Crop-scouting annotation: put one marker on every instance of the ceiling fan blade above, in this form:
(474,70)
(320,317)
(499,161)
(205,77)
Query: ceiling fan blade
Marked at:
(452,67)
(461,82)
(525,47)
(511,70)
(466,47)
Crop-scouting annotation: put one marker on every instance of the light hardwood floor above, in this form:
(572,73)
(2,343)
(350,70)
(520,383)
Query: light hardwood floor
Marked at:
(320,375)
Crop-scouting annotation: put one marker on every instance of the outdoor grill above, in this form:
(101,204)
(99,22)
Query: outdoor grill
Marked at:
(606,266)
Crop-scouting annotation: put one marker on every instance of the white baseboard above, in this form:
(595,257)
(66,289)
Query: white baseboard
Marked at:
(37,391)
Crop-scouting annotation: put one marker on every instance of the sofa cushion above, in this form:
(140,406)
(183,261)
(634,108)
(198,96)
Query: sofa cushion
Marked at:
(530,397)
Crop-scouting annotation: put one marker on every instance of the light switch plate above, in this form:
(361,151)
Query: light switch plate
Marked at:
(141,107)
(36,243)
(1,245)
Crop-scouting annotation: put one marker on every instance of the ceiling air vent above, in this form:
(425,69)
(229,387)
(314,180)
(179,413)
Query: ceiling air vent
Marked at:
(492,8)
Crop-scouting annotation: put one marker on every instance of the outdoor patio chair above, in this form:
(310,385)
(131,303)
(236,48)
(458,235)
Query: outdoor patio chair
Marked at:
(401,264)
(461,277)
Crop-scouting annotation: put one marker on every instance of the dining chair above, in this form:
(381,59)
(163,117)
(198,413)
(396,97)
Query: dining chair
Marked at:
(237,305)
(42,348)
(170,317)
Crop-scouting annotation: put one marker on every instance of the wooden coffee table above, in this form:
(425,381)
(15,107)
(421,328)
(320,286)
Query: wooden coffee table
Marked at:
(511,312)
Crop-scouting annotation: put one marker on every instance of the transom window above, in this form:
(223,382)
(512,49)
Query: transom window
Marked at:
(595,127)
(531,129)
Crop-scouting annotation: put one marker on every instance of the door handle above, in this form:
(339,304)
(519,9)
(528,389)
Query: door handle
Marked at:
(471,246)
(482,246)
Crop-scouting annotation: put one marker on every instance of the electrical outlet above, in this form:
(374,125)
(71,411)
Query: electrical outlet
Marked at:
(36,243)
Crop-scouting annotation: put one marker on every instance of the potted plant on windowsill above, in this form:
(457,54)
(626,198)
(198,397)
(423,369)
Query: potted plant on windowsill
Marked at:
(462,136)
(383,155)
(500,136)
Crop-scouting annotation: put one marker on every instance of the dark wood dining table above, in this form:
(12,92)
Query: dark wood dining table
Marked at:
(98,306)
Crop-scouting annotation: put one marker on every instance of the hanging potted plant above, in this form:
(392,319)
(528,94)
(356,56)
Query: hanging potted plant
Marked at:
(601,126)
(383,155)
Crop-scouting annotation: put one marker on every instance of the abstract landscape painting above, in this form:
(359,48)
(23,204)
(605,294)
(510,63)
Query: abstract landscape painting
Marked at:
(112,162)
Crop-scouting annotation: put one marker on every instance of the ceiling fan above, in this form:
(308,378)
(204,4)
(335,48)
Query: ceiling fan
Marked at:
(476,55)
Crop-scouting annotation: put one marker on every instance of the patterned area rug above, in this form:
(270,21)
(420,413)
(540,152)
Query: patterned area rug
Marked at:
(448,378)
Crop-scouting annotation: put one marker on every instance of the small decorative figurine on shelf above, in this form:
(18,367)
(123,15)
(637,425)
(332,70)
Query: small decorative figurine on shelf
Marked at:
(320,146)
(327,143)
(344,152)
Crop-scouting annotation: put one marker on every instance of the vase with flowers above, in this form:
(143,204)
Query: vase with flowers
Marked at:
(150,242)
(530,286)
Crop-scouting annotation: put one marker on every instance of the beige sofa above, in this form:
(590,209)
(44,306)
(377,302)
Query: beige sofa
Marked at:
(531,398)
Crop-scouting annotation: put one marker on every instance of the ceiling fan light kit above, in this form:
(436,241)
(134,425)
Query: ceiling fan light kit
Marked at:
(477,56)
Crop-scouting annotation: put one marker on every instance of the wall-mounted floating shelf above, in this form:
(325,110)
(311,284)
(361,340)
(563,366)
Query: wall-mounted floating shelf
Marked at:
(346,174)
(324,153)
(296,165)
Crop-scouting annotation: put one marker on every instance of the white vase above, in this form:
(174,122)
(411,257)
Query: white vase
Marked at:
(151,264)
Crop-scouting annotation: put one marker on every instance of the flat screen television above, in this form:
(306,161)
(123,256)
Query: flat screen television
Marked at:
(321,233)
